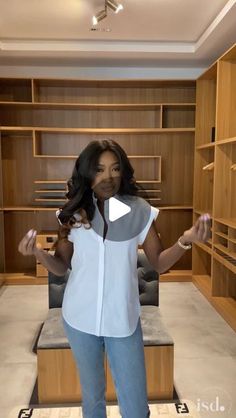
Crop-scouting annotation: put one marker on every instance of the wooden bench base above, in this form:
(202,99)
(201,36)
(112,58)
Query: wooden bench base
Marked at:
(58,380)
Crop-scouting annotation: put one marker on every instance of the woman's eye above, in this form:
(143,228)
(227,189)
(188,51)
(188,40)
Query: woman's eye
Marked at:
(117,168)
(99,170)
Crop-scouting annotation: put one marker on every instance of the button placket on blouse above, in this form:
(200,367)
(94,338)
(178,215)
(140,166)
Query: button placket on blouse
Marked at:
(100,284)
(101,272)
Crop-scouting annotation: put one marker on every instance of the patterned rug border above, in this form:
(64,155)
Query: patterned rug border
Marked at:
(34,403)
(184,408)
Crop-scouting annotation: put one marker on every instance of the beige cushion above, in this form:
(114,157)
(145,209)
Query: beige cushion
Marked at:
(154,330)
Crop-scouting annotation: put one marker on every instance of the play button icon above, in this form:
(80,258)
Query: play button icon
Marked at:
(117,209)
(126,216)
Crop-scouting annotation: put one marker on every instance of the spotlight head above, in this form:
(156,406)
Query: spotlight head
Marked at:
(119,8)
(114,6)
(99,16)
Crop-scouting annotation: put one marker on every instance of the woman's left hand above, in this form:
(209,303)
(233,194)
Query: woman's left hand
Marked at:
(200,231)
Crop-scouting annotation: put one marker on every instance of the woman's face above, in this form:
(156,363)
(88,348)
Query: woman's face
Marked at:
(108,176)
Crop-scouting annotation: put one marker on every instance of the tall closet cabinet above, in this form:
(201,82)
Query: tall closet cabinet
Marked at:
(214,263)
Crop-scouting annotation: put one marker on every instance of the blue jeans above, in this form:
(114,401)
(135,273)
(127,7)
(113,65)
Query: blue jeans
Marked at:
(126,361)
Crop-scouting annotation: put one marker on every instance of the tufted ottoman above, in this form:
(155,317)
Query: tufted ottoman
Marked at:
(58,380)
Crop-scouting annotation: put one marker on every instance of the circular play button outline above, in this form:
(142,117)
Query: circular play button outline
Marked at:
(126,226)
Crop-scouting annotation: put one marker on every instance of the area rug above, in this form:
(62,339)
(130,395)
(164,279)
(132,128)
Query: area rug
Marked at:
(34,402)
(184,408)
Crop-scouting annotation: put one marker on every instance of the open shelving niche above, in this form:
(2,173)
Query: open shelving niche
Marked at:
(152,120)
(214,263)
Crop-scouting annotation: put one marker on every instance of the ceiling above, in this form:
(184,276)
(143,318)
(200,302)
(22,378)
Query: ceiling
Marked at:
(179,33)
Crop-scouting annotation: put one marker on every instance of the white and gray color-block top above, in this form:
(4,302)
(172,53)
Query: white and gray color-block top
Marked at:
(102,295)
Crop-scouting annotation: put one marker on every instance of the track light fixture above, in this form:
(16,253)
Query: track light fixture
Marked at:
(103,13)
(99,16)
(114,6)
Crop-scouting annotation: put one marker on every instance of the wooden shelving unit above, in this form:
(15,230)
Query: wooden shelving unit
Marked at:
(214,263)
(45,123)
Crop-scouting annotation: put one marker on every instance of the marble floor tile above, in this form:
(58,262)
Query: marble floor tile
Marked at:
(177,299)
(5,411)
(24,303)
(185,302)
(16,383)
(203,381)
(205,347)
(194,337)
(17,340)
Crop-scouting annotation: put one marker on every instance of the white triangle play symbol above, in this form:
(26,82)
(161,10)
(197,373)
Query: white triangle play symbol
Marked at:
(117,209)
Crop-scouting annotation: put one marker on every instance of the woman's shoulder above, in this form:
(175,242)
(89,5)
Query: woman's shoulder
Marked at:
(137,202)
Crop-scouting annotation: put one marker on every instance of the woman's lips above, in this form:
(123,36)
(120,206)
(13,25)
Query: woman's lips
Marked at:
(108,188)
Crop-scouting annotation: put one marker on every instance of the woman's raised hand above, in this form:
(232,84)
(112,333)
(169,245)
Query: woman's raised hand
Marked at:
(200,231)
(27,245)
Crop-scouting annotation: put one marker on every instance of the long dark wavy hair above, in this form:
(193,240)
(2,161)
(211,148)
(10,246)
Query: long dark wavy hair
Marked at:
(80,193)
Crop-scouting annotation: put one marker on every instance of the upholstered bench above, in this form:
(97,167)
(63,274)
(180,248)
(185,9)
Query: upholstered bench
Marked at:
(58,379)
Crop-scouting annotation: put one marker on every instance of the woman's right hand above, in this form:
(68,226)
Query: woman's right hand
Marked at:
(58,263)
(27,245)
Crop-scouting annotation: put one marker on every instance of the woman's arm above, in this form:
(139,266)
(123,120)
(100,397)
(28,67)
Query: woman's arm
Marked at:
(162,260)
(57,263)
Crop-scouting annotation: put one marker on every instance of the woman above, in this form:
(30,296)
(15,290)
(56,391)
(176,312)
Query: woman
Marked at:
(101,310)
